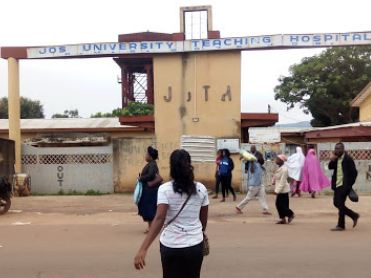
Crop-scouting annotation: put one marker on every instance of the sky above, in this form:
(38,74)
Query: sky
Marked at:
(90,85)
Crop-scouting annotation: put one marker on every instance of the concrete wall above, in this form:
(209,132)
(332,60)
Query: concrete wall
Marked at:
(361,153)
(128,161)
(187,112)
(68,169)
(365,110)
(117,134)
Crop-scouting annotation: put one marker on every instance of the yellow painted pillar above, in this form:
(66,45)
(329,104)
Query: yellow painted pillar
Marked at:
(14,108)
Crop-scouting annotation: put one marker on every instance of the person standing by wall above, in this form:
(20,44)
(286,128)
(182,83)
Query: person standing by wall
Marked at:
(148,202)
(219,156)
(225,170)
(183,208)
(282,190)
(295,164)
(313,178)
(343,179)
(255,188)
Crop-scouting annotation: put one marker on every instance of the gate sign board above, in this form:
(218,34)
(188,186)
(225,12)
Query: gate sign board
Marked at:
(233,145)
(262,135)
(235,43)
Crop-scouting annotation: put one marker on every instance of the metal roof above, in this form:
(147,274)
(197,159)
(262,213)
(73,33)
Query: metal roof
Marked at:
(358,124)
(70,123)
(365,93)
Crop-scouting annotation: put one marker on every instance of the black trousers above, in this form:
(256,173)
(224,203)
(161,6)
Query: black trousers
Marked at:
(217,184)
(182,262)
(340,197)
(283,205)
(226,182)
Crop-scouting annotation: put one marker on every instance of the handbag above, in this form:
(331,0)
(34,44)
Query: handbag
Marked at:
(138,192)
(156,181)
(353,196)
(205,242)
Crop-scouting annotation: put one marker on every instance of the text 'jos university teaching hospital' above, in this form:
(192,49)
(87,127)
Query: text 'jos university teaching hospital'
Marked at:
(249,42)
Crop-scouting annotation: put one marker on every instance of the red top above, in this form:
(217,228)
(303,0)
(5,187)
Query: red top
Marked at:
(218,160)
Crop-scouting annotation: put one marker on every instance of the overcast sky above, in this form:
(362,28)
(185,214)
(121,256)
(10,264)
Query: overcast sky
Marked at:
(90,85)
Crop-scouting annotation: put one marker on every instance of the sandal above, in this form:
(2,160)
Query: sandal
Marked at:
(281,222)
(238,210)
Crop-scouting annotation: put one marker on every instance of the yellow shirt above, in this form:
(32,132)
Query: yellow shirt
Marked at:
(339,172)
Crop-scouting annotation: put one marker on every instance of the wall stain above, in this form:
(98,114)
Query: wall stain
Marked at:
(182,108)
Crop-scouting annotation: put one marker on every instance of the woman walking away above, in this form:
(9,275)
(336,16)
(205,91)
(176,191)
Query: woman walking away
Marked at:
(225,170)
(218,159)
(255,187)
(313,178)
(295,164)
(183,208)
(282,190)
(148,202)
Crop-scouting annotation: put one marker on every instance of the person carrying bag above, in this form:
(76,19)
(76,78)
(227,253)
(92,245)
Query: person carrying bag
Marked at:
(182,214)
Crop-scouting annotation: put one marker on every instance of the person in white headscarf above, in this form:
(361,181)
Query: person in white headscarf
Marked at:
(295,164)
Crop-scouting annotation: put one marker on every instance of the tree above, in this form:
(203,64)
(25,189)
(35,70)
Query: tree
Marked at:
(133,109)
(67,114)
(30,109)
(325,84)
(115,113)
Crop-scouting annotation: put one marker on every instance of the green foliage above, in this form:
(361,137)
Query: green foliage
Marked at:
(114,114)
(325,84)
(138,109)
(90,192)
(30,109)
(133,109)
(102,115)
(67,114)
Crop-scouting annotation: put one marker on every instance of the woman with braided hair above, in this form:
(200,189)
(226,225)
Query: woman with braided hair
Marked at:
(182,210)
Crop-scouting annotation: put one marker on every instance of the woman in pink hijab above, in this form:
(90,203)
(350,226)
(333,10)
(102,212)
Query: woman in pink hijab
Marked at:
(313,178)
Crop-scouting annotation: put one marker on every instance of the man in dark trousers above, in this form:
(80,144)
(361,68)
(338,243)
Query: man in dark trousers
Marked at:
(343,178)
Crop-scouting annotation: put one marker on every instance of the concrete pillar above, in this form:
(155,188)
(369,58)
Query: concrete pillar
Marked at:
(14,108)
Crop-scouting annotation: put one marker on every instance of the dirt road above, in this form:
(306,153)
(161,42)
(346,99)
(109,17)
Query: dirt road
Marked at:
(50,237)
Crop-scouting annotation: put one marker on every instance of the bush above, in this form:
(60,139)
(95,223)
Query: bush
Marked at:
(90,192)
(133,109)
(138,109)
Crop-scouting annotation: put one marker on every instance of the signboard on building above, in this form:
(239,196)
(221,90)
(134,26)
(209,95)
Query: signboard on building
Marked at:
(242,43)
(201,148)
(233,145)
(262,135)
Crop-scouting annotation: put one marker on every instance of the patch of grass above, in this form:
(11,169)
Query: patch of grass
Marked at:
(92,192)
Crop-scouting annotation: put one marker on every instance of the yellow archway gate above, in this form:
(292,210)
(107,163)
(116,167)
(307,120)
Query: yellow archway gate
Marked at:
(125,49)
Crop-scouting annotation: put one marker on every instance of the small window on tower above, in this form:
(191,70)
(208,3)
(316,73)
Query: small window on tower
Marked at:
(196,24)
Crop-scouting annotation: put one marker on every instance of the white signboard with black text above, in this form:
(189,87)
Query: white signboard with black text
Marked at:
(262,135)
(243,43)
(233,145)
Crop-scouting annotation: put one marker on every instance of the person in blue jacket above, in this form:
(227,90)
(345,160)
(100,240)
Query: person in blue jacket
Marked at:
(225,171)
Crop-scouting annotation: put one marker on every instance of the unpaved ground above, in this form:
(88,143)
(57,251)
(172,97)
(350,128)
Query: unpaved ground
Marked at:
(98,236)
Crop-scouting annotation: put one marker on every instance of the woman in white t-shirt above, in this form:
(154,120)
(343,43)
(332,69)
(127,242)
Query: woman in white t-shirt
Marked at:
(181,241)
